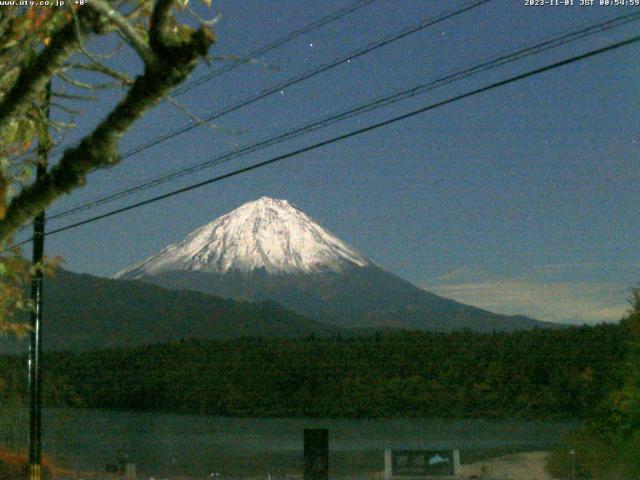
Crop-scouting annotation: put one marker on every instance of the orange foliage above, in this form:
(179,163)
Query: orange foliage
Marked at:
(14,466)
(15,275)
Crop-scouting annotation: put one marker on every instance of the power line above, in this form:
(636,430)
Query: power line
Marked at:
(360,109)
(275,44)
(332,17)
(353,133)
(425,23)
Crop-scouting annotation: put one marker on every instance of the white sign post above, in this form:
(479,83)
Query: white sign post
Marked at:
(421,464)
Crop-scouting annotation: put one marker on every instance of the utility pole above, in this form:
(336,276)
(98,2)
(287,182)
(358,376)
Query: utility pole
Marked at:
(35,344)
(316,454)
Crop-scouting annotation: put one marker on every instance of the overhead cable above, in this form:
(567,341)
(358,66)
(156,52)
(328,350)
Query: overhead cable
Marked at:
(351,134)
(362,108)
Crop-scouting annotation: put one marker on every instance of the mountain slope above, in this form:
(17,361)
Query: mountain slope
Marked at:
(355,297)
(270,250)
(83,312)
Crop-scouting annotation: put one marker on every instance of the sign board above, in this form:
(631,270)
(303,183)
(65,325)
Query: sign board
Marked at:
(406,464)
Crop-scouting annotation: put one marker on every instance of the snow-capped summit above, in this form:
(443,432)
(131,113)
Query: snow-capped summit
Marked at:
(267,234)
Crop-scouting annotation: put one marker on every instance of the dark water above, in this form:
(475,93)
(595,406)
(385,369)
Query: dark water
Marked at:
(164,446)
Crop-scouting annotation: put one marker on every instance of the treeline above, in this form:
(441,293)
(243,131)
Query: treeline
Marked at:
(607,443)
(534,374)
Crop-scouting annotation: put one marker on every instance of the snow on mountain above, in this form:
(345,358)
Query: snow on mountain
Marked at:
(267,234)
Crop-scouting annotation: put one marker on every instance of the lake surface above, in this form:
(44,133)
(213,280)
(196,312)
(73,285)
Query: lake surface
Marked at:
(164,446)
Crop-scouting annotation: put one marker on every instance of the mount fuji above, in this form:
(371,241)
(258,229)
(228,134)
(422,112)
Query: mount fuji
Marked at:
(269,250)
(267,234)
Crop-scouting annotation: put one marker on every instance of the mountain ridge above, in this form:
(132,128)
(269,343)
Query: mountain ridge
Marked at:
(278,253)
(366,297)
(83,312)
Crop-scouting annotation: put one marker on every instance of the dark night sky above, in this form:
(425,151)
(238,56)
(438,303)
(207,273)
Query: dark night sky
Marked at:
(523,199)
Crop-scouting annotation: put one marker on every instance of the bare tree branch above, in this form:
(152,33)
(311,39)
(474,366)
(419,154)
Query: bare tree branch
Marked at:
(68,96)
(174,62)
(199,121)
(126,29)
(59,126)
(201,20)
(64,108)
(135,12)
(34,77)
(103,69)
(158,26)
(80,40)
(87,86)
